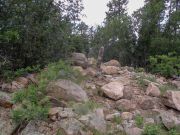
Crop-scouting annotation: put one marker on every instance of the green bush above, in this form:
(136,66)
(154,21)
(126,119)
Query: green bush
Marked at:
(9,75)
(85,108)
(33,101)
(151,129)
(166,65)
(139,120)
(173,132)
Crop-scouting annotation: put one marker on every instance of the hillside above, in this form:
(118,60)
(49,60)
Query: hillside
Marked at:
(81,99)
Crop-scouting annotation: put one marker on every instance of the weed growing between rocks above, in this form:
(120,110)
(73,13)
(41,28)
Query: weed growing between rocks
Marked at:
(139,120)
(168,86)
(151,129)
(173,132)
(32,102)
(117,120)
(143,80)
(85,108)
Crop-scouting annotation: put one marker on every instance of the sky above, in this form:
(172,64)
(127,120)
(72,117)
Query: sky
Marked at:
(95,10)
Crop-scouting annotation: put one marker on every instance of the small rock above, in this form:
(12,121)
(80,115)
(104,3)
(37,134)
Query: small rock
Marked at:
(113,90)
(128,123)
(172,99)
(153,90)
(149,121)
(112,63)
(5,100)
(66,90)
(59,112)
(91,71)
(127,116)
(6,87)
(161,80)
(133,131)
(90,86)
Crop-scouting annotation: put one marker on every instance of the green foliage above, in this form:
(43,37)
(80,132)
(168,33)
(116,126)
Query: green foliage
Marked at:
(139,70)
(33,101)
(85,108)
(10,75)
(165,65)
(143,79)
(30,111)
(168,86)
(60,132)
(151,130)
(139,121)
(117,120)
(96,132)
(173,132)
(37,32)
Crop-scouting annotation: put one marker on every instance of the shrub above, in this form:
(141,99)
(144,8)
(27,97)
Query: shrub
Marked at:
(85,108)
(117,120)
(173,132)
(33,102)
(151,129)
(9,75)
(168,86)
(139,120)
(166,65)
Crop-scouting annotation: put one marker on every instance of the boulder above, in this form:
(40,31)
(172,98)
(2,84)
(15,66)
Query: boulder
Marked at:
(126,105)
(110,70)
(79,59)
(113,90)
(133,131)
(170,120)
(176,83)
(146,103)
(172,99)
(95,120)
(5,100)
(112,63)
(7,126)
(6,87)
(23,81)
(153,90)
(66,90)
(72,126)
(18,84)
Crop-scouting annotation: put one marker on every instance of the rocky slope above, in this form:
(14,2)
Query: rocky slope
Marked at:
(112,100)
